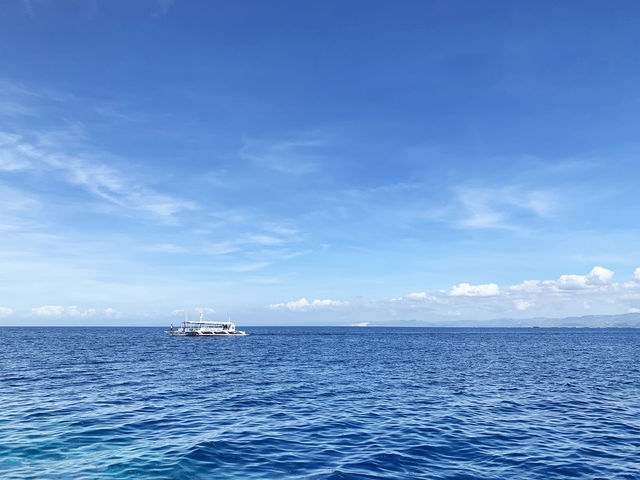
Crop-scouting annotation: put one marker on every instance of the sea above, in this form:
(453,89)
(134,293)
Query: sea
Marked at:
(320,403)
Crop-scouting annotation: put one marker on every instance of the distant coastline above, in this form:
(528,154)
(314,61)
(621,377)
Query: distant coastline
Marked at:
(626,320)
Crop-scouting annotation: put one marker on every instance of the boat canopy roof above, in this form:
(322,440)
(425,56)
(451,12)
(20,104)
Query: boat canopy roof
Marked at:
(207,323)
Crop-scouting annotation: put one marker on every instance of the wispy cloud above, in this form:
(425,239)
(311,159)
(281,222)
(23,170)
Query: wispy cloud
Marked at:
(221,248)
(15,90)
(298,156)
(268,240)
(18,101)
(27,5)
(49,154)
(13,200)
(256,250)
(265,280)
(498,208)
(167,248)
(406,204)
(164,5)
(248,267)
(12,158)
(17,209)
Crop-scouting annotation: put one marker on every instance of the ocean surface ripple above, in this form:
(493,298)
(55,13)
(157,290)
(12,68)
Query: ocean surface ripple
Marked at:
(320,403)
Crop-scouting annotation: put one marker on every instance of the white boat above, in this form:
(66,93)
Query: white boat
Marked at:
(205,329)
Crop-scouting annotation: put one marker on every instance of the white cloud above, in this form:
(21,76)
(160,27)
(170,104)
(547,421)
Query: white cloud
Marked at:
(636,274)
(206,310)
(111,313)
(73,311)
(418,296)
(415,297)
(327,303)
(48,311)
(59,311)
(5,312)
(572,282)
(467,290)
(531,286)
(600,276)
(304,305)
(634,310)
(597,277)
(569,295)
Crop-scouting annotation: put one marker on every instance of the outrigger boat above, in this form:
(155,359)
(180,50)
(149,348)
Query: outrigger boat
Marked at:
(205,329)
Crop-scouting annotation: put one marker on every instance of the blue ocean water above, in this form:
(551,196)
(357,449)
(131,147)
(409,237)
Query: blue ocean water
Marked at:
(320,403)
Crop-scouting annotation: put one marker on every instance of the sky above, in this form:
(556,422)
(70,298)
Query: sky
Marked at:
(327,162)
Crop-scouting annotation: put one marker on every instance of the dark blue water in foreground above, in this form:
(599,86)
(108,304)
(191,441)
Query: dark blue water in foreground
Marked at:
(320,403)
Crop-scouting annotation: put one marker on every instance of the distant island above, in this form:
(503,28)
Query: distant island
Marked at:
(627,320)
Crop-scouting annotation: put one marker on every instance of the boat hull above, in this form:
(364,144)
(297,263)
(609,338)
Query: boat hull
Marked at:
(200,334)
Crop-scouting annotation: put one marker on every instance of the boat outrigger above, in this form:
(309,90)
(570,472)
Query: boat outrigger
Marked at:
(205,329)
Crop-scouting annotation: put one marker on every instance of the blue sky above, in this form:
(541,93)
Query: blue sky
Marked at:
(318,162)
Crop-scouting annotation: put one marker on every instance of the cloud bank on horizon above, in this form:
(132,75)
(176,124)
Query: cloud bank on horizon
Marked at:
(317,163)
(487,300)
(593,292)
